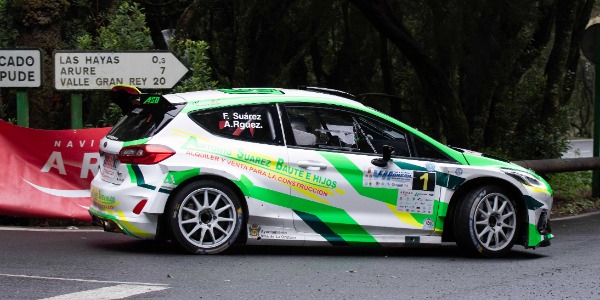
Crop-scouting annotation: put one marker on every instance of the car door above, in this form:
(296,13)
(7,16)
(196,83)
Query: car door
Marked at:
(246,145)
(340,193)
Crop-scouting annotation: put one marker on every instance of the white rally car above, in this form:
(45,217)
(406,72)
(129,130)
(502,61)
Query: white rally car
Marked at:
(303,167)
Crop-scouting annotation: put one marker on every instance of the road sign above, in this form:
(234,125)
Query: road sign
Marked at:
(102,70)
(589,42)
(20,68)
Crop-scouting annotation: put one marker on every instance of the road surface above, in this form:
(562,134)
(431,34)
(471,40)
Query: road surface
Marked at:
(79,264)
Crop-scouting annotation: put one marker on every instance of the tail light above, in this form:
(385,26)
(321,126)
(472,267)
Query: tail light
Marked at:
(144,154)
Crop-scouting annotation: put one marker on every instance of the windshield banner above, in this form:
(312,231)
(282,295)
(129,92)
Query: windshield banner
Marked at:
(47,173)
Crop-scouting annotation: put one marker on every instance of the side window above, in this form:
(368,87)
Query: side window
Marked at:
(425,150)
(342,130)
(322,128)
(253,123)
(377,134)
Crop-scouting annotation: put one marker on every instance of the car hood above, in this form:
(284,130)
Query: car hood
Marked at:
(484,160)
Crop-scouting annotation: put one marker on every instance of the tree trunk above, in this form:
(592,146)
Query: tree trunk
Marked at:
(446,117)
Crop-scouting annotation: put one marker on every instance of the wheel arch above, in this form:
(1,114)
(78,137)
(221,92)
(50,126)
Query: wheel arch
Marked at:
(163,232)
(458,196)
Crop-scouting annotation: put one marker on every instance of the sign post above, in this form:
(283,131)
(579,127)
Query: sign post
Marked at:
(21,68)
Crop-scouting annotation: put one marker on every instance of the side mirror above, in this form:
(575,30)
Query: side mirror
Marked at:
(387,156)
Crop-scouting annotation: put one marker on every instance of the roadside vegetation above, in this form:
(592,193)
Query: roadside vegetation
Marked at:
(573,194)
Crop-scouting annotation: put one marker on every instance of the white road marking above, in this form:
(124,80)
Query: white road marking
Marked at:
(85,280)
(121,290)
(112,292)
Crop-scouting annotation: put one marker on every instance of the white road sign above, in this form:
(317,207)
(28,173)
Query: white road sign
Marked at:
(102,70)
(21,68)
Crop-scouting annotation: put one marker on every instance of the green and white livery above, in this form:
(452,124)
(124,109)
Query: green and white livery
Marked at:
(303,167)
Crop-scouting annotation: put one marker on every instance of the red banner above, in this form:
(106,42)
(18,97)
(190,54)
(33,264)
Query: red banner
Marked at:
(47,173)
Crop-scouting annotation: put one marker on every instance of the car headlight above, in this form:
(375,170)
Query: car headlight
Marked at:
(525,178)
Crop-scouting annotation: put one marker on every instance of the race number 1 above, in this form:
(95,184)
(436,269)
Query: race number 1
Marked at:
(423,181)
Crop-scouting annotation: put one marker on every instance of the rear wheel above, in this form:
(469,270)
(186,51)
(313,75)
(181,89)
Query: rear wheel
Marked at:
(486,222)
(205,217)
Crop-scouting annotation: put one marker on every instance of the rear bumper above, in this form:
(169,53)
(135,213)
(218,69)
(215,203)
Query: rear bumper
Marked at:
(145,226)
(107,224)
(132,207)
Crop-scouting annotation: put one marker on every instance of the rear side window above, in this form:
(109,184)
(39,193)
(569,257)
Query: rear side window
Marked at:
(253,123)
(142,122)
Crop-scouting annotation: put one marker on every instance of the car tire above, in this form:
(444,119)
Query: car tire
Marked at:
(205,217)
(486,222)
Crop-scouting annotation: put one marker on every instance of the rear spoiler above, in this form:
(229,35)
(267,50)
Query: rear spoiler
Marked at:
(128,97)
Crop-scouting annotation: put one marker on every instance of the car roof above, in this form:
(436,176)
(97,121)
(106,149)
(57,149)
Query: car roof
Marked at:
(224,97)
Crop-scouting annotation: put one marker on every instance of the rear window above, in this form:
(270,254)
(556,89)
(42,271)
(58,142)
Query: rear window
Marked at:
(143,122)
(252,123)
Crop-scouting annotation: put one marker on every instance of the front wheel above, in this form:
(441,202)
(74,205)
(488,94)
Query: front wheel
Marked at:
(486,222)
(205,217)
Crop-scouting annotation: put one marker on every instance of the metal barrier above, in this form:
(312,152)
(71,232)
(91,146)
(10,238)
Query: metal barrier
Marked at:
(561,165)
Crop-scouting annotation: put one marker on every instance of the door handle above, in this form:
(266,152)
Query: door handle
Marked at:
(311,165)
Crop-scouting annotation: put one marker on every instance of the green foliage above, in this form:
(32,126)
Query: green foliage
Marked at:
(572,193)
(111,116)
(85,42)
(7,31)
(194,55)
(126,30)
(40,12)
(82,19)
(516,129)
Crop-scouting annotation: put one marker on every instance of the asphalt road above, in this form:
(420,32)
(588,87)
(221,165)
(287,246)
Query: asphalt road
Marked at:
(97,265)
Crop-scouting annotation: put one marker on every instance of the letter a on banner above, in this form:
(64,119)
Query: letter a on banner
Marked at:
(55,161)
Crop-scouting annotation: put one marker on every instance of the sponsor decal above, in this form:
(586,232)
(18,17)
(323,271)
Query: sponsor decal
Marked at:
(386,178)
(254,231)
(428,224)
(102,201)
(152,100)
(272,168)
(430,167)
(277,234)
(415,201)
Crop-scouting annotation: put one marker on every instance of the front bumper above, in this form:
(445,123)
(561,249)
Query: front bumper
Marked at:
(539,231)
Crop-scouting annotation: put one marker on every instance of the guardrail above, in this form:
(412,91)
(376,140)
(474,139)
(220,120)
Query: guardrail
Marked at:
(561,164)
